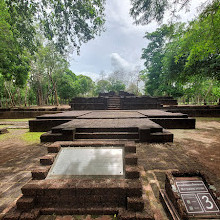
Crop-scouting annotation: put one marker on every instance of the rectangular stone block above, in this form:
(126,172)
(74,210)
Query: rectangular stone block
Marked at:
(25,203)
(135,204)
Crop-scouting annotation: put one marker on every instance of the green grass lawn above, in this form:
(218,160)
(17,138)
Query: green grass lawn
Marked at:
(19,119)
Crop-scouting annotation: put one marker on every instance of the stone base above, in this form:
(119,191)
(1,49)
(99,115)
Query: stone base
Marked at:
(82,195)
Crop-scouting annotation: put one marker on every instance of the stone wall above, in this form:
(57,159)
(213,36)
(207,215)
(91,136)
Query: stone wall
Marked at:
(95,103)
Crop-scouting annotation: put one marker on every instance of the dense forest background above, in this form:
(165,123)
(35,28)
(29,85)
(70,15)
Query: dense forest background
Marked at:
(36,38)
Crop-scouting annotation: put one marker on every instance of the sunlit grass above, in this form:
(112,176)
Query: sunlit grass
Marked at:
(5,136)
(16,120)
(22,135)
(31,137)
(3,126)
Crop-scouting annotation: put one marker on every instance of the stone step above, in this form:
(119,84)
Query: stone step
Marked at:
(52,137)
(82,211)
(113,129)
(107,135)
(131,149)
(162,137)
(114,106)
(135,204)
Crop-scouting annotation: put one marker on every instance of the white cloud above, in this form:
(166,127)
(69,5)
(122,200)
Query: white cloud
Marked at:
(92,75)
(119,63)
(121,45)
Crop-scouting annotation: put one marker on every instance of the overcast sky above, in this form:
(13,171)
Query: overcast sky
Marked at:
(120,46)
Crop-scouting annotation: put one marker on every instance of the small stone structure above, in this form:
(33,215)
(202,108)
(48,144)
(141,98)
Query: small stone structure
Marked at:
(81,195)
(122,100)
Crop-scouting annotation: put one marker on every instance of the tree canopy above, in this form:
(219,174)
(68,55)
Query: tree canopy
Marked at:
(67,23)
(146,11)
(183,59)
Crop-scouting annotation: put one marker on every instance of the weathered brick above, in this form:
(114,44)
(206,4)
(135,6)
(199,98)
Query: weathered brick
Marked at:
(40,173)
(126,215)
(34,214)
(132,172)
(135,204)
(53,148)
(144,216)
(47,160)
(12,215)
(131,159)
(134,188)
(25,203)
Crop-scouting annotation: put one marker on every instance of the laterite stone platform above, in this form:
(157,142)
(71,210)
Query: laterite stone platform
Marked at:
(136,125)
(119,194)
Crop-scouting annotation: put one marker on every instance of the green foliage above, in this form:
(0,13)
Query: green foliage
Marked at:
(116,85)
(14,62)
(102,86)
(111,84)
(183,61)
(200,44)
(31,137)
(67,23)
(146,11)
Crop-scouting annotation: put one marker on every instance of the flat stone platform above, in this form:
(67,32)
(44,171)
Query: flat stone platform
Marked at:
(137,125)
(110,123)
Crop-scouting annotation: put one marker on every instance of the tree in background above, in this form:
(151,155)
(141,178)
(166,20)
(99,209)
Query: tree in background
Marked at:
(183,60)
(63,26)
(67,23)
(14,62)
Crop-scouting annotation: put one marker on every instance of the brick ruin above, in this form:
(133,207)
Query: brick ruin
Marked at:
(96,195)
(83,195)
(121,101)
(137,125)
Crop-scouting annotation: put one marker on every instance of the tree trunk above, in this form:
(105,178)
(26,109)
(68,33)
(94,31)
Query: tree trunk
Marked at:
(39,94)
(55,90)
(10,95)
(25,97)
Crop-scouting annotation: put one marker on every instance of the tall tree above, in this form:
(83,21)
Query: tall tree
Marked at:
(13,61)
(67,23)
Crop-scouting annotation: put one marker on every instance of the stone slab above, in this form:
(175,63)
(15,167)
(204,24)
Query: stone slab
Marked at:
(87,161)
(64,115)
(154,113)
(110,123)
(112,114)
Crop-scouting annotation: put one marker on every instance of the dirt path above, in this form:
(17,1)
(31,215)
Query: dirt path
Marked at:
(197,149)
(17,159)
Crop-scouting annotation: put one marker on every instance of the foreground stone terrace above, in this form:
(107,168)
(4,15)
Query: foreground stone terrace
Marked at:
(139,125)
(192,149)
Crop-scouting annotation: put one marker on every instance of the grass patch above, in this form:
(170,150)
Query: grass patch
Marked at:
(3,126)
(31,137)
(5,136)
(19,119)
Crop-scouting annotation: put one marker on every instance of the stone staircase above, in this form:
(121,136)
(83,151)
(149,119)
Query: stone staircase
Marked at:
(156,134)
(107,133)
(114,103)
